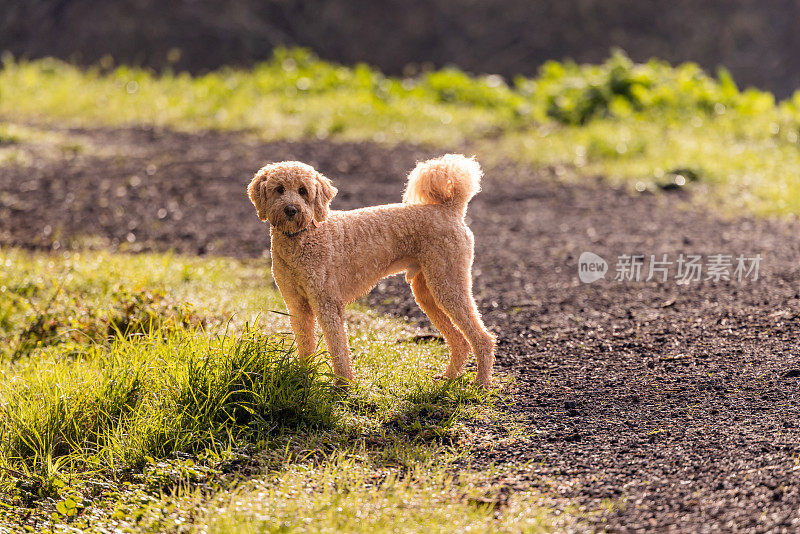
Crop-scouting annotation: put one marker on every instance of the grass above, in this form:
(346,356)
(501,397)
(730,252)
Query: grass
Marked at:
(24,145)
(737,172)
(639,124)
(146,392)
(423,499)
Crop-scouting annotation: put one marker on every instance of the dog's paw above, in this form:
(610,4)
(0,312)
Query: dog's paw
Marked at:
(445,376)
(342,384)
(485,383)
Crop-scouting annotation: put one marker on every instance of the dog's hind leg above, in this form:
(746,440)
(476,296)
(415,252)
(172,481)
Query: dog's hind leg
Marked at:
(451,287)
(459,346)
(333,327)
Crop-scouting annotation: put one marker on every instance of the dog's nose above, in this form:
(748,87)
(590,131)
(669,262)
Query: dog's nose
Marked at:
(290,211)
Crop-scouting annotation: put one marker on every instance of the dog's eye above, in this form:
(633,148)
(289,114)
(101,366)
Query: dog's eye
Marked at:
(303,191)
(279,189)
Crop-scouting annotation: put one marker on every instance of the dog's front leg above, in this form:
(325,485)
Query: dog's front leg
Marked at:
(302,319)
(301,315)
(331,320)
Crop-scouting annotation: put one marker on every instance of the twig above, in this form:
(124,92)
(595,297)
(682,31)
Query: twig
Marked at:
(676,357)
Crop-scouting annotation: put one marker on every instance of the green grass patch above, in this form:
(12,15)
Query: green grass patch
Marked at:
(24,145)
(352,494)
(149,391)
(293,96)
(741,165)
(635,123)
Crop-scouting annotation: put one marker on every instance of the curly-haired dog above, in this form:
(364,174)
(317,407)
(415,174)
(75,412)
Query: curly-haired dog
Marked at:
(324,259)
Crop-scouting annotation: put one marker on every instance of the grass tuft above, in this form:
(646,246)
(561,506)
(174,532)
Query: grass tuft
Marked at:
(157,394)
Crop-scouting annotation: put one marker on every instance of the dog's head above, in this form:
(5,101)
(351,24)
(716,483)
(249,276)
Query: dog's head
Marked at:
(290,195)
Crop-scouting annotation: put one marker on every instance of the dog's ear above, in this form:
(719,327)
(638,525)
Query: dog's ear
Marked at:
(257,191)
(324,194)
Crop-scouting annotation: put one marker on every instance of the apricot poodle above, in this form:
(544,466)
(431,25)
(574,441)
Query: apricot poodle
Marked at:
(324,259)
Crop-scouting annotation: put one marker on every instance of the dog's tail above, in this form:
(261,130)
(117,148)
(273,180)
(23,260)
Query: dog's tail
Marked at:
(451,180)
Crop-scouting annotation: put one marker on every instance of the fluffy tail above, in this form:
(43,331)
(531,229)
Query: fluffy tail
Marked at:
(451,180)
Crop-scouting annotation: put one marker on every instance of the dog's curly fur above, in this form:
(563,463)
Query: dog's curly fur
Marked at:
(323,259)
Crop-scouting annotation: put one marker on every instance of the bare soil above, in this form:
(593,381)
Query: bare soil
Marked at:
(666,407)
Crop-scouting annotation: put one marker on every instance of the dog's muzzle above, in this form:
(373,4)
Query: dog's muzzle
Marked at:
(290,211)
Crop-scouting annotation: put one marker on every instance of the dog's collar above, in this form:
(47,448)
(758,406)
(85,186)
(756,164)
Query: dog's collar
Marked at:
(314,224)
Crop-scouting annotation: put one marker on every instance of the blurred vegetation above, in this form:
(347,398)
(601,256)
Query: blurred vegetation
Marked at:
(296,82)
(649,125)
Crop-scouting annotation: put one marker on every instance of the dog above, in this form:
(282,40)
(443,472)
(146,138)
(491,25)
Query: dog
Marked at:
(324,259)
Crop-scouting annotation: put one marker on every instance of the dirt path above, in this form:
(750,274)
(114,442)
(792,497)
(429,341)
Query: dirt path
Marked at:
(671,407)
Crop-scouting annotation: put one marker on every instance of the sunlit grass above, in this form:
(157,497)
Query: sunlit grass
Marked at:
(355,489)
(144,381)
(743,167)
(294,96)
(63,298)
(25,145)
(352,494)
